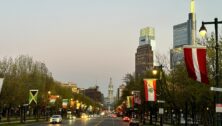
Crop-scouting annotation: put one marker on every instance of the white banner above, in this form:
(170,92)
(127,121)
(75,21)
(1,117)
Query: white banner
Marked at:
(1,83)
(218,108)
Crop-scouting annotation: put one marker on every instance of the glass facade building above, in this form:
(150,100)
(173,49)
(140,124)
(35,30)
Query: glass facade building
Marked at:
(183,34)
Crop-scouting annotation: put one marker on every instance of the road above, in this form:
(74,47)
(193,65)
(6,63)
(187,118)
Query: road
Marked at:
(86,122)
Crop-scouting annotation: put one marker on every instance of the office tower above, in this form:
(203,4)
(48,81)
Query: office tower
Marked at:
(147,36)
(120,91)
(183,34)
(144,59)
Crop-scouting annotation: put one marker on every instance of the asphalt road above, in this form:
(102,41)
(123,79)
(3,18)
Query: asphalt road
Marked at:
(86,122)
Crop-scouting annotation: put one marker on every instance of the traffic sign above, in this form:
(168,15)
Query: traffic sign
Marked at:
(216,89)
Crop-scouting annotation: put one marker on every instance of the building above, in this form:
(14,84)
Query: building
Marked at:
(183,34)
(144,59)
(94,94)
(110,99)
(73,87)
(110,91)
(147,36)
(120,91)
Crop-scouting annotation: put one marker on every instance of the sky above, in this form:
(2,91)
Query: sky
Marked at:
(89,41)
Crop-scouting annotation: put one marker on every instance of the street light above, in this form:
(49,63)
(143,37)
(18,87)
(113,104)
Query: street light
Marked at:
(49,92)
(158,70)
(47,105)
(203,30)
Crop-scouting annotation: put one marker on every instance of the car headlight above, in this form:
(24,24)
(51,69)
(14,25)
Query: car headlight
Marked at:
(57,120)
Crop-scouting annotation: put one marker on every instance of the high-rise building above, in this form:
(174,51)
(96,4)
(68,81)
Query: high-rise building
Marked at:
(147,36)
(183,34)
(144,59)
(120,91)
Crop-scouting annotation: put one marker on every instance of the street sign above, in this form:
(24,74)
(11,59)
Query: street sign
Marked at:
(216,89)
(219,108)
(160,101)
(161,110)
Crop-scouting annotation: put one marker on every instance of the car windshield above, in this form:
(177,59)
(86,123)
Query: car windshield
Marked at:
(56,116)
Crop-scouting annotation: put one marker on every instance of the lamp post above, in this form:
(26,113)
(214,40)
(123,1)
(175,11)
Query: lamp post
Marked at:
(136,96)
(161,102)
(203,30)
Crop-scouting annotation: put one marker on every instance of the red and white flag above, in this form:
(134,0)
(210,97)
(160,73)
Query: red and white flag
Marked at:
(195,59)
(150,89)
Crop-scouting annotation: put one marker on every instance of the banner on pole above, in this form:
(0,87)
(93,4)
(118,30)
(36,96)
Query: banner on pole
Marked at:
(218,108)
(52,99)
(150,89)
(130,101)
(33,95)
(195,59)
(65,103)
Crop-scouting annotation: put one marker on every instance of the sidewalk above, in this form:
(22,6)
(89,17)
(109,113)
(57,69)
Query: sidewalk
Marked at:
(154,124)
(17,121)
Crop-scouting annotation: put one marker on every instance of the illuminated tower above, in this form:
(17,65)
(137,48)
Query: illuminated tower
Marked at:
(147,36)
(192,12)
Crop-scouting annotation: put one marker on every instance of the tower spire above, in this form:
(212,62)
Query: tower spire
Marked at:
(192,6)
(192,12)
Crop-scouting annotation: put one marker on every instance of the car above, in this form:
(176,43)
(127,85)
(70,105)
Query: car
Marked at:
(134,122)
(126,119)
(84,116)
(113,115)
(55,119)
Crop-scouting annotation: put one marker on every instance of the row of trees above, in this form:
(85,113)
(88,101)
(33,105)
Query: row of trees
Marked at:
(22,74)
(180,92)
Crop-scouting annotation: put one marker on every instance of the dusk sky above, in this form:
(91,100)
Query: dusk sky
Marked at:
(89,41)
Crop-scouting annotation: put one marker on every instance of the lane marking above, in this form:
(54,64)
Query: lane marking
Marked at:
(99,122)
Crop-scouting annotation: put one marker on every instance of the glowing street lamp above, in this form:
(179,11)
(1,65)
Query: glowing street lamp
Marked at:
(217,96)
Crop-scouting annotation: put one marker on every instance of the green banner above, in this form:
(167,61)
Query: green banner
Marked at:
(65,103)
(33,96)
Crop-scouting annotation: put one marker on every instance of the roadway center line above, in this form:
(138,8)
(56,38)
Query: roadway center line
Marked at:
(113,121)
(99,122)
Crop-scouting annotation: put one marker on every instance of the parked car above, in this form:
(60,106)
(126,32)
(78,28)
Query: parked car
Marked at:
(134,122)
(55,119)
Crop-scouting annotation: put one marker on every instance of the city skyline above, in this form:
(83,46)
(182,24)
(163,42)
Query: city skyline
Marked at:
(87,42)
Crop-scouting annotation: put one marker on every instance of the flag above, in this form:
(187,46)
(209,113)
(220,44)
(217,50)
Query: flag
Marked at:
(33,96)
(52,99)
(1,83)
(195,59)
(72,103)
(150,89)
(130,101)
(64,103)
(78,105)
